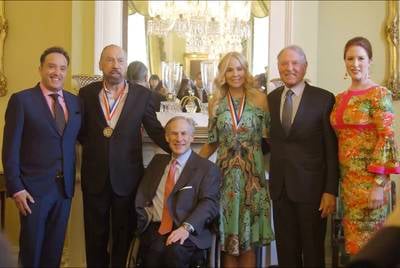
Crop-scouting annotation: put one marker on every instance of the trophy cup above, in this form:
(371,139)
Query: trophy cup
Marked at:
(171,79)
(208,72)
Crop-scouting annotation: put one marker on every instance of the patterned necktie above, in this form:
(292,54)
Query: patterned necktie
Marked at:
(166,219)
(58,113)
(287,112)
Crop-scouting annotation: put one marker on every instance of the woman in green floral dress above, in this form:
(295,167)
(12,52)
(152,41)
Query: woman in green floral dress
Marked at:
(238,119)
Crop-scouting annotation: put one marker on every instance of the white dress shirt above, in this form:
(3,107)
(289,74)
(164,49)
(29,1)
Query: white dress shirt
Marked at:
(158,199)
(296,98)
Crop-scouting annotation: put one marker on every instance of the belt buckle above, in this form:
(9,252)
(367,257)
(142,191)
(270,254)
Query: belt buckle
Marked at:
(59,175)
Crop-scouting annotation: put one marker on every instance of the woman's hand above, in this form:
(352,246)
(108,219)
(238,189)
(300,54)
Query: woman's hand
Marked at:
(376,197)
(208,149)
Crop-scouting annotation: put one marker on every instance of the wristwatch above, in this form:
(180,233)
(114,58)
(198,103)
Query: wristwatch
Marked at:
(380,181)
(188,227)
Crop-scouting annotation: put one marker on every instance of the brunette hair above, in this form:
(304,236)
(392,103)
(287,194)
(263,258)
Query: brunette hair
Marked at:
(50,50)
(360,42)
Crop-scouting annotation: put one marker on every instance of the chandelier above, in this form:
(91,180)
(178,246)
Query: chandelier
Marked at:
(211,27)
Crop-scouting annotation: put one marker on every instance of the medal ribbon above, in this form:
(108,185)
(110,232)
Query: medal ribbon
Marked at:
(235,115)
(110,112)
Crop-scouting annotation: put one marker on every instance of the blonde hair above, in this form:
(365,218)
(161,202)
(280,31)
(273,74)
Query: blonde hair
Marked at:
(221,87)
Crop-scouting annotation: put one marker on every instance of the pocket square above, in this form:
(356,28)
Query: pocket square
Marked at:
(186,187)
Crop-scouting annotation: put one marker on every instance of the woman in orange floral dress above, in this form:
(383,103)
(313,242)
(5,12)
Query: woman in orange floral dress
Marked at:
(363,120)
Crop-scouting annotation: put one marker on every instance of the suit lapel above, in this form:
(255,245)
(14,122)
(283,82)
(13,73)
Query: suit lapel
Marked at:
(70,109)
(129,101)
(186,174)
(45,109)
(97,105)
(277,113)
(299,117)
(157,174)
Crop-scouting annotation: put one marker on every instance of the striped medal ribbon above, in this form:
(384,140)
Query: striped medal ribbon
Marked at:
(235,115)
(111,110)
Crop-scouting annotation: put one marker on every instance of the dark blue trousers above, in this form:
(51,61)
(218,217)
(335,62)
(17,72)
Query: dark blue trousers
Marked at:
(43,232)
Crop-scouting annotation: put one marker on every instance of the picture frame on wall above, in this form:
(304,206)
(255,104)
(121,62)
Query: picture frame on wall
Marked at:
(393,40)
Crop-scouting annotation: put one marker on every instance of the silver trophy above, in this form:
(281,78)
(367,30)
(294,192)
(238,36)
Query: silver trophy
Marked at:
(171,75)
(209,69)
(171,78)
(208,72)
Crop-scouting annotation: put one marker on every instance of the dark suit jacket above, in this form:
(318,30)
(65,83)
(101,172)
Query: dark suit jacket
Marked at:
(33,150)
(198,205)
(381,251)
(305,162)
(120,156)
(158,98)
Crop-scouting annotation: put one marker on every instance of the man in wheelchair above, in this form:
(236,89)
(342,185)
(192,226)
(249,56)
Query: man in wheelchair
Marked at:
(176,202)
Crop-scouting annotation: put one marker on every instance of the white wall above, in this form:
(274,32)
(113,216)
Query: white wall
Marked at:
(279,32)
(305,26)
(338,22)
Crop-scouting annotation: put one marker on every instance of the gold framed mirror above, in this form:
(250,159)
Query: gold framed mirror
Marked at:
(392,36)
(3,34)
(172,46)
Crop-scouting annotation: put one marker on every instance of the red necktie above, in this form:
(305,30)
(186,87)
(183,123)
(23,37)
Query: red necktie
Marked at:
(166,219)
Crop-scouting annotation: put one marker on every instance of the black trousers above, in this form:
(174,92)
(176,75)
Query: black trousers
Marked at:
(154,253)
(299,232)
(101,210)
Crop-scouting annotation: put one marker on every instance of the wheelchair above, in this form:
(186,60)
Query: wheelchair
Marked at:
(201,259)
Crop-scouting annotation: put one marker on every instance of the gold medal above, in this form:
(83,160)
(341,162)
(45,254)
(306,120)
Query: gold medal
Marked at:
(107,132)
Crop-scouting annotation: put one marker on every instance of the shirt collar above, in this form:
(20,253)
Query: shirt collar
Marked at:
(183,158)
(47,92)
(107,91)
(297,89)
(142,83)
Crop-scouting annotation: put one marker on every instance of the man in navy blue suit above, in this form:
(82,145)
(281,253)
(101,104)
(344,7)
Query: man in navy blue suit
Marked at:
(41,128)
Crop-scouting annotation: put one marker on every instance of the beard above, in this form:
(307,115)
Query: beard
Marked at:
(113,79)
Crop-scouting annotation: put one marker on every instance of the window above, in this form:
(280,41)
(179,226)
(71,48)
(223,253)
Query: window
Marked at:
(137,49)
(260,47)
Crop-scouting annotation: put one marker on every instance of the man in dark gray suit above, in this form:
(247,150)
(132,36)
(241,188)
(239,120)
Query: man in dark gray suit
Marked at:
(138,73)
(177,201)
(304,163)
